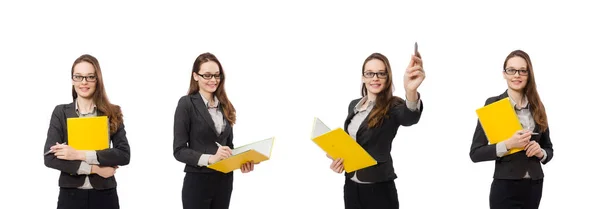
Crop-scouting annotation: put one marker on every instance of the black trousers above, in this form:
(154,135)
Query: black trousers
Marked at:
(73,198)
(382,195)
(207,191)
(516,194)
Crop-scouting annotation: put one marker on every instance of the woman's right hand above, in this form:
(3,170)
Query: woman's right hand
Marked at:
(222,153)
(519,140)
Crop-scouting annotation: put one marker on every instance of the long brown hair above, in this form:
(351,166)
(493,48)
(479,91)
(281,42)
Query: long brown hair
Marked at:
(385,99)
(99,97)
(228,109)
(536,105)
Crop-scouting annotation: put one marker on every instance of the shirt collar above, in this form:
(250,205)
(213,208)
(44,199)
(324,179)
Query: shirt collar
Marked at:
(514,104)
(361,102)
(207,103)
(77,108)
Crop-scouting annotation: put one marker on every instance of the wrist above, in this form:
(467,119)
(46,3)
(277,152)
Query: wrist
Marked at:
(94,169)
(508,145)
(412,95)
(81,155)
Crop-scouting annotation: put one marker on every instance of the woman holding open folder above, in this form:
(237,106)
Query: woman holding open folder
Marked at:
(518,177)
(203,135)
(373,121)
(87,176)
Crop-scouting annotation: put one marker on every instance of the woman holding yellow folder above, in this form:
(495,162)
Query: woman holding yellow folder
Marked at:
(518,177)
(203,135)
(373,121)
(87,176)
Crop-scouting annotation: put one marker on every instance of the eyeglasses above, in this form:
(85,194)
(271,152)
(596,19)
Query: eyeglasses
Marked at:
(511,71)
(372,74)
(79,78)
(209,76)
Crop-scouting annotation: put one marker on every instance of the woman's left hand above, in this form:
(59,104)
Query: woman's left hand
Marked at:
(414,74)
(247,167)
(534,149)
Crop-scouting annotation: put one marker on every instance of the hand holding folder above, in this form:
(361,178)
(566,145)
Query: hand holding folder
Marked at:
(499,122)
(338,144)
(255,152)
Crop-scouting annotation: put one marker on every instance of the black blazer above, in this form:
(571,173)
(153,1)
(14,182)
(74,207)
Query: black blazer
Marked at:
(117,156)
(195,133)
(512,166)
(377,141)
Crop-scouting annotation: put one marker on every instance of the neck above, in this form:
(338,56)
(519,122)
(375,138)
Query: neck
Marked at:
(208,96)
(85,105)
(517,96)
(371,97)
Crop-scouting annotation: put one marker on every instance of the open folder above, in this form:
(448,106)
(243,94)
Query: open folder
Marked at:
(499,122)
(88,133)
(258,151)
(338,144)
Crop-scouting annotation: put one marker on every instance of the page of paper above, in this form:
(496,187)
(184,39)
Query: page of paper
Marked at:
(319,128)
(263,147)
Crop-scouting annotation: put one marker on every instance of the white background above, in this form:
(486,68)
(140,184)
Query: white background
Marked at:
(285,64)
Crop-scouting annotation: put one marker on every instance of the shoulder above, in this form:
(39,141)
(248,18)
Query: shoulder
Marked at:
(493,99)
(397,103)
(353,103)
(62,107)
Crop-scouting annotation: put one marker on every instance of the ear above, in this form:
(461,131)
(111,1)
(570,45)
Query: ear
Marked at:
(195,76)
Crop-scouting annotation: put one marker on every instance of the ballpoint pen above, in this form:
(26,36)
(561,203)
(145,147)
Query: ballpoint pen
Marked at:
(218,144)
(50,151)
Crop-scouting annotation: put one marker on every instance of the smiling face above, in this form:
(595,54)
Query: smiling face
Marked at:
(516,73)
(208,77)
(84,79)
(374,76)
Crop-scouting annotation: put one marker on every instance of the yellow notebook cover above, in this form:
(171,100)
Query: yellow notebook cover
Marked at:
(88,133)
(257,152)
(499,122)
(338,144)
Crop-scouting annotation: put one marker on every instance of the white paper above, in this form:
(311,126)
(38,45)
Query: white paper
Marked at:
(263,147)
(319,128)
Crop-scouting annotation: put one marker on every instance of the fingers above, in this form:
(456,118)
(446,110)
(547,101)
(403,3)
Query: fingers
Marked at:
(337,165)
(417,59)
(225,149)
(416,74)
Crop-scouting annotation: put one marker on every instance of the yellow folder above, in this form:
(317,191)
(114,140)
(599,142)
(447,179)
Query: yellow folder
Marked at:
(338,144)
(258,151)
(88,133)
(499,122)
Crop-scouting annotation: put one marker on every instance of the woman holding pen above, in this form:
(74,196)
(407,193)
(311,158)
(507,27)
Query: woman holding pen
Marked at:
(203,122)
(373,121)
(518,177)
(87,176)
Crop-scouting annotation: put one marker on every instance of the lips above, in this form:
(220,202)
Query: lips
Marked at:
(375,85)
(84,89)
(517,82)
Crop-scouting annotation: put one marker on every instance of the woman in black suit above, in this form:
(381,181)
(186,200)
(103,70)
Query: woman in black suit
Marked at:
(87,176)
(373,122)
(203,135)
(518,177)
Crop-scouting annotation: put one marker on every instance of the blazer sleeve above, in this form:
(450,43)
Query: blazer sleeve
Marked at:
(181,134)
(481,150)
(546,144)
(119,155)
(56,135)
(406,117)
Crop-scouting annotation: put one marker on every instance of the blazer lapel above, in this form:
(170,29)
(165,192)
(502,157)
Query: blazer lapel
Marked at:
(201,108)
(362,130)
(70,111)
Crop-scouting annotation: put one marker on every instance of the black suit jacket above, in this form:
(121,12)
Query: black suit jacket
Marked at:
(119,155)
(377,141)
(195,133)
(512,166)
